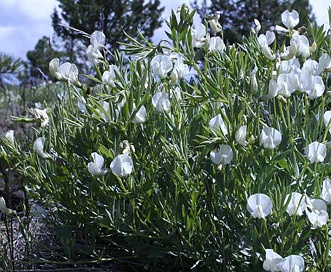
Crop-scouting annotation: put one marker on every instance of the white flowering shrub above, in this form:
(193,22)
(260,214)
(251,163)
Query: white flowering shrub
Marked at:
(192,153)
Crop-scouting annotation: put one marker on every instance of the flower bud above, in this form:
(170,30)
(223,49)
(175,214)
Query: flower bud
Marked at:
(290,53)
(214,24)
(282,99)
(10,136)
(251,140)
(258,26)
(3,206)
(253,82)
(241,135)
(174,77)
(313,47)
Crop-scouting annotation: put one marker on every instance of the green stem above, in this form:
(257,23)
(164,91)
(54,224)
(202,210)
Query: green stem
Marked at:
(282,114)
(121,184)
(266,230)
(306,114)
(288,116)
(69,95)
(327,246)
(321,119)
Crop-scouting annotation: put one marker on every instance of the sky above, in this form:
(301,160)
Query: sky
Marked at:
(24,22)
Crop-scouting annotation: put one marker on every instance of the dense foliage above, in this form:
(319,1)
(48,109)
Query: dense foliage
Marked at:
(190,154)
(237,16)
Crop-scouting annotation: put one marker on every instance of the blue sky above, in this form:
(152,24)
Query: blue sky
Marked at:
(24,22)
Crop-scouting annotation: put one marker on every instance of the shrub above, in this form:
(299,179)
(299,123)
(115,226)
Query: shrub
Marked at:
(191,154)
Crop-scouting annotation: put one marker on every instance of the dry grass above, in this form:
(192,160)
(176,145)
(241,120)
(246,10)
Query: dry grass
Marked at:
(36,248)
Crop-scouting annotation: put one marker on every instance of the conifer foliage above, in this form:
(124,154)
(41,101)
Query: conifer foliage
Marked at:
(237,16)
(113,17)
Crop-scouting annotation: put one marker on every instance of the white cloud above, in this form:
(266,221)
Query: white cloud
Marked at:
(320,9)
(40,10)
(23,23)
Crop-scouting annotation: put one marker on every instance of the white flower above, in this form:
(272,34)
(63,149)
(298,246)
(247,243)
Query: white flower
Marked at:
(324,62)
(180,69)
(174,77)
(199,36)
(265,41)
(161,65)
(122,165)
(302,45)
(272,90)
(290,51)
(41,116)
(70,73)
(216,44)
(311,67)
(297,204)
(140,116)
(184,7)
(98,39)
(93,54)
(258,26)
(290,19)
(292,263)
(3,206)
(214,23)
(217,123)
(66,71)
(37,105)
(259,205)
(54,68)
(317,213)
(282,86)
(288,83)
(95,167)
(241,135)
(268,38)
(326,191)
(267,52)
(253,82)
(287,66)
(10,136)
(270,137)
(312,85)
(326,118)
(127,147)
(38,147)
(161,102)
(318,204)
(315,152)
(272,259)
(109,76)
(222,155)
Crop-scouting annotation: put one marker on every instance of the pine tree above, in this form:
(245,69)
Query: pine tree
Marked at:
(237,16)
(113,17)
(10,68)
(40,57)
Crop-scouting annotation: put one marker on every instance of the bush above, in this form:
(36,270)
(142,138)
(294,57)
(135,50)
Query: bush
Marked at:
(191,154)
